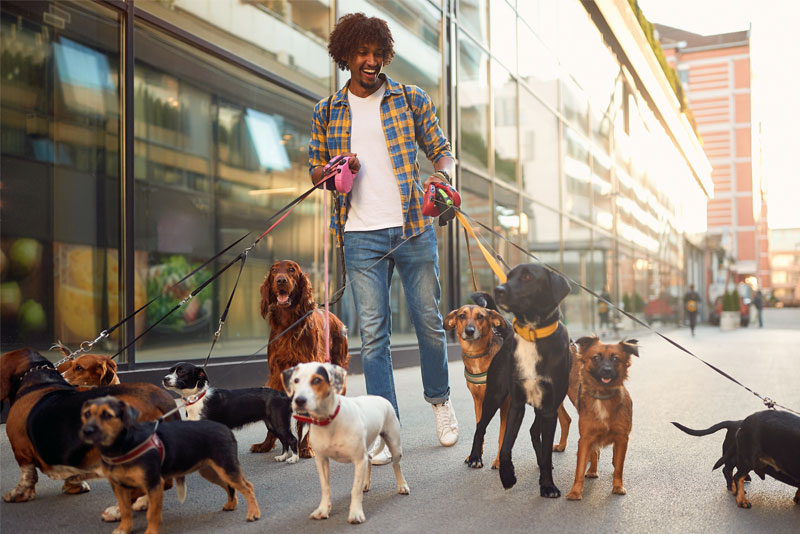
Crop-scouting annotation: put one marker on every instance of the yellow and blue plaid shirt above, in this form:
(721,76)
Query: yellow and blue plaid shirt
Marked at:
(330,136)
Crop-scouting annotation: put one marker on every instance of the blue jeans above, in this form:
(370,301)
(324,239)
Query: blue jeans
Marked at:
(417,262)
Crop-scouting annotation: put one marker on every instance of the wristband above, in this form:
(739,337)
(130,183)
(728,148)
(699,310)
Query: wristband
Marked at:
(444,175)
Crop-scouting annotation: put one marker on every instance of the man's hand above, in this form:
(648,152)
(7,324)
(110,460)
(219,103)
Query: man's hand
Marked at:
(432,179)
(354,164)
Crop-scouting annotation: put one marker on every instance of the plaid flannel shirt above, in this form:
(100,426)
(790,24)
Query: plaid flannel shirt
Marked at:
(330,136)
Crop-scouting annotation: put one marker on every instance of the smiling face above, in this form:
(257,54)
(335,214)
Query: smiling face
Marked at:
(606,364)
(365,64)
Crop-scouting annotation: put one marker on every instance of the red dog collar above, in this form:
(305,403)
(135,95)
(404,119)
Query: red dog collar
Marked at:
(192,399)
(153,442)
(320,422)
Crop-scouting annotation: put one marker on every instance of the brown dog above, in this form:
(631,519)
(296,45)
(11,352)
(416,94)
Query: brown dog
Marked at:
(286,298)
(44,419)
(89,371)
(605,409)
(135,456)
(474,327)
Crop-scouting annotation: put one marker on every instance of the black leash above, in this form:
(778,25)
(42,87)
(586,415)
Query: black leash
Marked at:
(768,402)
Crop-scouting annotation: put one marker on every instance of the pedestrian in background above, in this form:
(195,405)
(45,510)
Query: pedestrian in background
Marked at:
(378,123)
(691,303)
(758,302)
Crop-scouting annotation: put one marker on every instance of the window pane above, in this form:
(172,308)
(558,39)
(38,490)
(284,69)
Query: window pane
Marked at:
(578,305)
(538,67)
(508,223)
(473,15)
(539,150)
(576,174)
(60,168)
(504,34)
(475,194)
(505,124)
(218,152)
(473,93)
(287,38)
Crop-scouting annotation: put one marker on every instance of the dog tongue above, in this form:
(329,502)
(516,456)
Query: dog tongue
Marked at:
(606,380)
(283,299)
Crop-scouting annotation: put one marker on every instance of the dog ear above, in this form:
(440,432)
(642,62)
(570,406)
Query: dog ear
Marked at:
(286,378)
(266,296)
(559,286)
(202,375)
(306,292)
(337,377)
(108,372)
(585,342)
(630,346)
(450,321)
(495,319)
(129,413)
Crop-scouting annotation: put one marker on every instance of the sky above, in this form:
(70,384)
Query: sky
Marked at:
(775,62)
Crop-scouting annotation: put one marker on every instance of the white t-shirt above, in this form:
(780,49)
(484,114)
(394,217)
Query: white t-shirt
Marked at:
(375,201)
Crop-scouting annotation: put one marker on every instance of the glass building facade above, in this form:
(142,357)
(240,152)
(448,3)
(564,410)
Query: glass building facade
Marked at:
(139,140)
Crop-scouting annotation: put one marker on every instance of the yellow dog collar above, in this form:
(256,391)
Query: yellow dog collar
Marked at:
(532,334)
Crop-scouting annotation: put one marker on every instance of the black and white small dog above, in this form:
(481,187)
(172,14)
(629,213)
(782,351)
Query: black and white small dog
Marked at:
(234,408)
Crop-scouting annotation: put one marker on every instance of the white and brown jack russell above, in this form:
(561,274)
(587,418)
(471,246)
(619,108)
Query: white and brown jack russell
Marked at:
(342,429)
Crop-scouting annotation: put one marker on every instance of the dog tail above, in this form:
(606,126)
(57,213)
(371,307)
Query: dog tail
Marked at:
(710,430)
(180,487)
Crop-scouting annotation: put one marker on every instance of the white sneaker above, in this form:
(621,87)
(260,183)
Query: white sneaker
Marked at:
(446,423)
(379,453)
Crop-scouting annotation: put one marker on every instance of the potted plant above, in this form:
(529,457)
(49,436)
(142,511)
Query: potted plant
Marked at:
(729,318)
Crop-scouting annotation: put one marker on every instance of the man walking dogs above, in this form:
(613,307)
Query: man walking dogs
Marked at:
(378,123)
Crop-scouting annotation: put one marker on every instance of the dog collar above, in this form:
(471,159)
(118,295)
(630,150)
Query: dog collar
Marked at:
(603,396)
(153,442)
(477,378)
(192,399)
(320,422)
(532,334)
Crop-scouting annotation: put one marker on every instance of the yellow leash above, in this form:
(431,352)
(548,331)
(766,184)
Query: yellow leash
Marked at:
(489,259)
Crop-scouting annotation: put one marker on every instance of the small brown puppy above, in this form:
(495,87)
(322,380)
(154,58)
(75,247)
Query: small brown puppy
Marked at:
(605,409)
(136,457)
(89,371)
(474,327)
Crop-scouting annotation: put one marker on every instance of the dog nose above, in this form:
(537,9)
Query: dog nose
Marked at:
(469,330)
(281,281)
(300,401)
(500,291)
(89,430)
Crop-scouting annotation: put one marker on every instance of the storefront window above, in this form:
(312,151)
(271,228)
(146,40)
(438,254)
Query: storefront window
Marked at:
(505,124)
(539,150)
(538,66)
(60,168)
(473,16)
(578,265)
(577,174)
(508,222)
(475,200)
(217,154)
(473,92)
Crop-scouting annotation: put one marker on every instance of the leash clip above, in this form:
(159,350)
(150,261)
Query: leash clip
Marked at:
(769,403)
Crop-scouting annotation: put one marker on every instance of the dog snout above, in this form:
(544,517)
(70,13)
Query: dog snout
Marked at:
(299,402)
(89,431)
(281,280)
(469,331)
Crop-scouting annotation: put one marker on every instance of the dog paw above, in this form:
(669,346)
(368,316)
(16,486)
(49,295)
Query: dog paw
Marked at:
(403,489)
(507,475)
(591,475)
(306,453)
(282,457)
(261,447)
(356,517)
(475,462)
(559,448)
(110,514)
(319,513)
(20,494)
(619,490)
(140,504)
(231,504)
(293,459)
(75,489)
(119,530)
(574,495)
(744,503)
(254,516)
(549,491)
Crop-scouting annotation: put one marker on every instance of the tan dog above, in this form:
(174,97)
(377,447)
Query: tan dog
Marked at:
(90,371)
(474,327)
(605,409)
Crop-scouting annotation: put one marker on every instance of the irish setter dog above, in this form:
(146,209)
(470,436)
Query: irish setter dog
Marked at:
(286,297)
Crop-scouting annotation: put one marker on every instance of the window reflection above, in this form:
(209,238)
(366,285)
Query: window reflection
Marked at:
(473,15)
(60,161)
(505,124)
(473,93)
(509,223)
(539,150)
(475,195)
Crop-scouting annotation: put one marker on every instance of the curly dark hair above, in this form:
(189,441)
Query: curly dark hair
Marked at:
(356,29)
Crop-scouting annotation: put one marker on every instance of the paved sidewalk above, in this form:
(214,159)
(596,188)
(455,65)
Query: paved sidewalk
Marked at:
(671,487)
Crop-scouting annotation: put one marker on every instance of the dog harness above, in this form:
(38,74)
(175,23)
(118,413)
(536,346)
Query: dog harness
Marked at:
(153,442)
(320,422)
(532,334)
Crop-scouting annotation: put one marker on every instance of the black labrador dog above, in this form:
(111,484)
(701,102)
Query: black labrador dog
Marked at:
(532,367)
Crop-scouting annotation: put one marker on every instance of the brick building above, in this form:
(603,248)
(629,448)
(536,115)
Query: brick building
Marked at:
(716,74)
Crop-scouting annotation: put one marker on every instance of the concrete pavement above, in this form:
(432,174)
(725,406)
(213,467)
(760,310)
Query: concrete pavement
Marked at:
(671,487)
